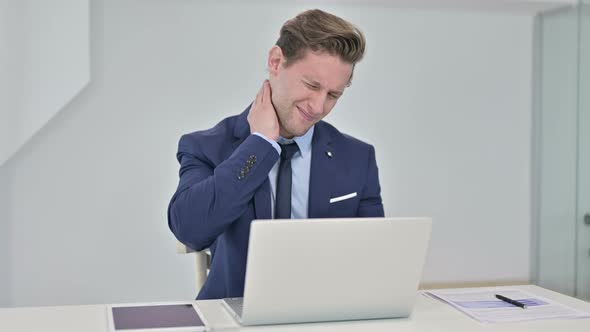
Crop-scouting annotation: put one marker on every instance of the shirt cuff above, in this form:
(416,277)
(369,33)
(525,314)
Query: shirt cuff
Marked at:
(273,143)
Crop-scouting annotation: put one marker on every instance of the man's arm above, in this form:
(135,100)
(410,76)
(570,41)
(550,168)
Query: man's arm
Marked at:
(209,199)
(370,202)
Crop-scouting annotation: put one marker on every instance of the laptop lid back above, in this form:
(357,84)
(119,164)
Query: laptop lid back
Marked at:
(333,269)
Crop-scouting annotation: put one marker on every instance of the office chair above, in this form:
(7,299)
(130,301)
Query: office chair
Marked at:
(202,263)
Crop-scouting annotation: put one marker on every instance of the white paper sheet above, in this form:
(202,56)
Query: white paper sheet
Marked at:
(482,305)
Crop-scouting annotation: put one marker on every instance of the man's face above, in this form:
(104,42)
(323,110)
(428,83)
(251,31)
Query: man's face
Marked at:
(306,91)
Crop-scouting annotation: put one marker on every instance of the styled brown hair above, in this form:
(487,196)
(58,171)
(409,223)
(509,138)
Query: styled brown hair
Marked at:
(319,31)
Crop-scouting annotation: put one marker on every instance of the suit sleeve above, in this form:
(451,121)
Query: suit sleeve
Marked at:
(370,202)
(209,199)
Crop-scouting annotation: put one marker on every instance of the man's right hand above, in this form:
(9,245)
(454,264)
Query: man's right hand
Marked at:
(263,117)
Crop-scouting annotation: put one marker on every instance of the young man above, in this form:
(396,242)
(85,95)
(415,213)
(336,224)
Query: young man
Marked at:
(277,158)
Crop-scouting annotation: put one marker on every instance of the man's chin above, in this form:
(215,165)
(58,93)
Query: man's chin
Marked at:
(295,127)
(302,132)
(296,132)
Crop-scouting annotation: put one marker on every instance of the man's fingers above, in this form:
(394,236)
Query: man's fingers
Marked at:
(266,91)
(262,117)
(259,97)
(263,97)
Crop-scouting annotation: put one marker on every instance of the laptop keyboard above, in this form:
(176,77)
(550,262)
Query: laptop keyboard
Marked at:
(236,304)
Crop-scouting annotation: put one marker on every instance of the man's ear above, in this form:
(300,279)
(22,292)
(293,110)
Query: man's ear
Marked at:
(275,60)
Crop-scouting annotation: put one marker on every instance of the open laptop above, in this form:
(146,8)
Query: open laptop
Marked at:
(311,270)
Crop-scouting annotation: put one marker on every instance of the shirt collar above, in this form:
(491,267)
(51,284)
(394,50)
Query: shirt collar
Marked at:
(303,142)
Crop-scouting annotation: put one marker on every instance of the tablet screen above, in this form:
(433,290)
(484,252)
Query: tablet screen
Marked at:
(156,316)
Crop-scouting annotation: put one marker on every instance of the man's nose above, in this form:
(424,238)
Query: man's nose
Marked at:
(316,103)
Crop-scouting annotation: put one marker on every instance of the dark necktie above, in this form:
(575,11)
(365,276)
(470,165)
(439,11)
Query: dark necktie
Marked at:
(283,198)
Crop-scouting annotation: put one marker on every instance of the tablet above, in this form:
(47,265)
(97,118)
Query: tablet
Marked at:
(161,316)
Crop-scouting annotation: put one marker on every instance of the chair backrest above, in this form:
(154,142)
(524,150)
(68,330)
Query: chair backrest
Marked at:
(202,263)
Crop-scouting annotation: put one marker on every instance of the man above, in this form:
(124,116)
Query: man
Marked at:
(277,158)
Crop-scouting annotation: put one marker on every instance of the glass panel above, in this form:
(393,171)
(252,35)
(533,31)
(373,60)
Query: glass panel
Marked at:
(557,150)
(583,261)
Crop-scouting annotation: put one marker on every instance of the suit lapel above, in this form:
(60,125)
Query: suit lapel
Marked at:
(262,208)
(320,179)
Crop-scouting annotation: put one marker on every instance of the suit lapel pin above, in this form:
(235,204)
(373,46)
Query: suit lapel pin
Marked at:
(329,154)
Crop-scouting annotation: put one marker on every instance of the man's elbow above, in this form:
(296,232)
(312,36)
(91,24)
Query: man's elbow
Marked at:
(186,228)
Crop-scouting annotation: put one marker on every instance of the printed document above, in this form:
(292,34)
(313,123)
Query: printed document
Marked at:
(482,305)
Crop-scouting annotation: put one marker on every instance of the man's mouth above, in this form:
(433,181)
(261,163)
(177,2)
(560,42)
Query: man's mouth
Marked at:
(305,115)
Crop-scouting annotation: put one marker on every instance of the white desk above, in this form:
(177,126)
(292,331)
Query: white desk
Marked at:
(429,315)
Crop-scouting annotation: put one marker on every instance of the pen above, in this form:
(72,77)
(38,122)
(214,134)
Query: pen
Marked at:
(511,301)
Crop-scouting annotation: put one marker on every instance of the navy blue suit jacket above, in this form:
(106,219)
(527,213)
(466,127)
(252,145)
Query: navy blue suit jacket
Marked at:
(214,206)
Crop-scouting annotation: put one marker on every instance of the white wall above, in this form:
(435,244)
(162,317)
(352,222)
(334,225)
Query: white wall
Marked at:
(44,64)
(10,37)
(444,96)
(451,94)
(12,41)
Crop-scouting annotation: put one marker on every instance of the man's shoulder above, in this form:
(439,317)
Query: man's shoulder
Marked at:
(343,139)
(222,130)
(217,136)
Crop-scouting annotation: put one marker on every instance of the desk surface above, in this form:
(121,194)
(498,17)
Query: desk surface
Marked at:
(428,315)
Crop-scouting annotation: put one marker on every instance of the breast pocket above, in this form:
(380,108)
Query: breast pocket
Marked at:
(344,205)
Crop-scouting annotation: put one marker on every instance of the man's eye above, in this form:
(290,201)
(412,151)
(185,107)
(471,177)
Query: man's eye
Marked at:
(311,86)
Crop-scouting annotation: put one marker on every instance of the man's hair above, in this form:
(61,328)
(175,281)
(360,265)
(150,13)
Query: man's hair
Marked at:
(321,32)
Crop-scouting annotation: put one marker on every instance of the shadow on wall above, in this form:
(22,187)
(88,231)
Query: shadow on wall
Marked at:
(5,238)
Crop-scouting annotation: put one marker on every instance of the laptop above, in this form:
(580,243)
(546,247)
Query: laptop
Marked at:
(315,270)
